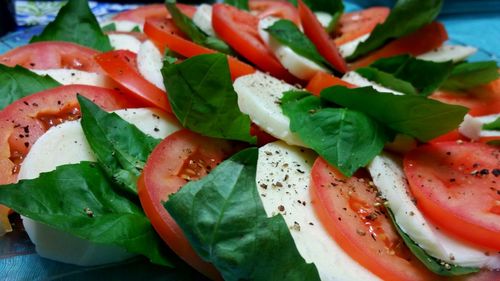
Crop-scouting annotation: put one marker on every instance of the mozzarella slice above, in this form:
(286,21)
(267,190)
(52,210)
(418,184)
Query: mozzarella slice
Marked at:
(149,63)
(283,184)
(72,76)
(391,182)
(356,79)
(472,127)
(259,96)
(348,48)
(66,144)
(324,18)
(124,42)
(203,19)
(454,53)
(123,25)
(298,65)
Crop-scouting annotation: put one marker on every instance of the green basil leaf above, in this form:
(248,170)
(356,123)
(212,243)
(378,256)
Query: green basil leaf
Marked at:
(202,97)
(109,27)
(288,34)
(136,29)
(240,4)
(387,80)
(424,76)
(186,25)
(471,74)
(224,219)
(493,126)
(428,261)
(406,17)
(79,200)
(412,115)
(331,7)
(18,82)
(120,147)
(345,138)
(76,23)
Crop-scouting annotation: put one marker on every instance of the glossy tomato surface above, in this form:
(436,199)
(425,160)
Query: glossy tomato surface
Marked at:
(457,186)
(182,157)
(356,218)
(47,55)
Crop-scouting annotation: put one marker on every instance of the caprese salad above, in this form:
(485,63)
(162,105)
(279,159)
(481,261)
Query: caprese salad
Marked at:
(258,140)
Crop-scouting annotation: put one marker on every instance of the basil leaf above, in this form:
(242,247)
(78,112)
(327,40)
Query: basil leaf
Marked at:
(345,138)
(428,261)
(18,82)
(471,74)
(186,25)
(406,17)
(328,6)
(109,27)
(288,34)
(240,4)
(387,80)
(136,29)
(202,97)
(225,221)
(412,115)
(120,147)
(75,23)
(424,76)
(493,126)
(79,200)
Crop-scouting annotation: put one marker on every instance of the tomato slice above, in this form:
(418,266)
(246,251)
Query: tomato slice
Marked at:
(423,40)
(356,24)
(140,14)
(121,66)
(47,55)
(275,8)
(165,35)
(456,186)
(347,209)
(180,158)
(239,30)
(317,34)
(25,120)
(322,80)
(482,100)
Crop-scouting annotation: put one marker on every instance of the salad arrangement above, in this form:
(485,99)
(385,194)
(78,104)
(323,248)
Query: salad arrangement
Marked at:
(259,140)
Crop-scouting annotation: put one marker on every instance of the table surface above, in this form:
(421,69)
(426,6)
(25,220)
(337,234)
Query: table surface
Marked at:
(473,23)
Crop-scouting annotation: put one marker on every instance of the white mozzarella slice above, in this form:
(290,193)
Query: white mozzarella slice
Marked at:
(324,18)
(283,184)
(72,76)
(356,79)
(149,63)
(124,42)
(348,48)
(391,182)
(66,144)
(203,19)
(298,65)
(123,25)
(259,96)
(472,127)
(454,53)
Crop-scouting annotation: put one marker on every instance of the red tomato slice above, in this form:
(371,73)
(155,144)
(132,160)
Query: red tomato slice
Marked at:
(165,35)
(456,186)
(239,30)
(317,34)
(181,157)
(347,209)
(482,100)
(322,80)
(356,24)
(423,40)
(140,14)
(275,8)
(47,55)
(263,138)
(25,120)
(121,66)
